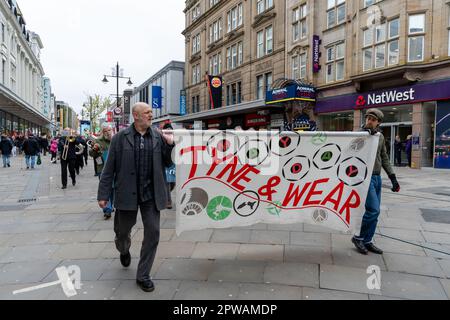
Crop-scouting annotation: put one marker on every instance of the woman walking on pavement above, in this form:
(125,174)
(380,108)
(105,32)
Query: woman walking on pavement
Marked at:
(6,147)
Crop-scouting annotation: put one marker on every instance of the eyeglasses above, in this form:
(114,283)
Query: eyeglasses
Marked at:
(142,143)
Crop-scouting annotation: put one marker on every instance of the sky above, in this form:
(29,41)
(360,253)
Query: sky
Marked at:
(84,39)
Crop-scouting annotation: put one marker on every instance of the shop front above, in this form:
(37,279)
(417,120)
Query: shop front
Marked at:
(419,112)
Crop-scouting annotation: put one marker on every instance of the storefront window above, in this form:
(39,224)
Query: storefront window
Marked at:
(428,133)
(336,122)
(395,114)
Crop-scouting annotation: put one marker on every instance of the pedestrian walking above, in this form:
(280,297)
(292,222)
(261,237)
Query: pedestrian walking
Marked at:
(54,149)
(408,149)
(363,242)
(398,151)
(31,149)
(136,161)
(6,147)
(43,144)
(68,157)
(100,154)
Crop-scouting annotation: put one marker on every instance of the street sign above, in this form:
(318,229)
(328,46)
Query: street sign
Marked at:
(117,111)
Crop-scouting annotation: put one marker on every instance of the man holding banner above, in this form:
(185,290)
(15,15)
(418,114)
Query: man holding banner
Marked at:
(363,242)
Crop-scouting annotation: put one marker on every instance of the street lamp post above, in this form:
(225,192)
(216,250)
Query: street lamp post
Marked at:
(117,76)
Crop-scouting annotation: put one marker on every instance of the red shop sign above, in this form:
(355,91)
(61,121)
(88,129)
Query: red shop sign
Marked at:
(255,120)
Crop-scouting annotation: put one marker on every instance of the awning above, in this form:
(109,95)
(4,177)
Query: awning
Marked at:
(11,103)
(241,108)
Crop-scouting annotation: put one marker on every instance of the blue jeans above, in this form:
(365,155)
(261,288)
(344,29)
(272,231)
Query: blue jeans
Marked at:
(109,206)
(6,160)
(30,161)
(370,219)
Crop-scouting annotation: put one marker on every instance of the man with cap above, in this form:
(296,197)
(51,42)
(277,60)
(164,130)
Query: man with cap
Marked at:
(363,242)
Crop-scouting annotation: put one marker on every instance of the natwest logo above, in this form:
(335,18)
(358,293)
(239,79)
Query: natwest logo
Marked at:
(390,97)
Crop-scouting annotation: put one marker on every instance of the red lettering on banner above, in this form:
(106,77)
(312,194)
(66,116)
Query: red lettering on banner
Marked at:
(313,192)
(268,189)
(349,204)
(244,177)
(216,161)
(234,177)
(194,151)
(335,202)
(295,194)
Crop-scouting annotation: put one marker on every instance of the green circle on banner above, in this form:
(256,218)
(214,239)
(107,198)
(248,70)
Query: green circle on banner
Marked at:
(327,156)
(319,139)
(273,209)
(219,208)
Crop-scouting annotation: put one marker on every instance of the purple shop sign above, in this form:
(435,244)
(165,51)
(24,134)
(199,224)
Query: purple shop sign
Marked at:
(428,91)
(316,54)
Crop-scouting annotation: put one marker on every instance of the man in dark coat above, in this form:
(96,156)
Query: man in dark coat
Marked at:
(6,147)
(136,165)
(31,149)
(68,157)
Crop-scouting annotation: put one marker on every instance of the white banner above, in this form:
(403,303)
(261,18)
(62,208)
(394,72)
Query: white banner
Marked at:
(240,178)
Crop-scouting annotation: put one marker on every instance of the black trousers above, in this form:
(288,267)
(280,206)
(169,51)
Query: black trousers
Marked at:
(64,164)
(80,163)
(124,221)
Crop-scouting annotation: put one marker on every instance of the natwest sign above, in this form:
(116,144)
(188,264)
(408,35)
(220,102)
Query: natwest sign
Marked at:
(420,92)
(387,97)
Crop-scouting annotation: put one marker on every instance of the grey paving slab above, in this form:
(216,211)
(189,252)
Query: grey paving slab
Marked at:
(269,292)
(29,253)
(184,269)
(28,239)
(315,255)
(436,227)
(445,266)
(319,229)
(115,270)
(24,272)
(324,294)
(128,290)
(165,235)
(205,290)
(286,227)
(438,251)
(238,271)
(261,252)
(231,235)
(71,237)
(269,237)
(341,241)
(74,226)
(403,234)
(91,269)
(352,258)
(434,237)
(311,239)
(35,227)
(220,251)
(90,290)
(296,274)
(413,287)
(345,279)
(175,250)
(110,251)
(413,264)
(394,246)
(4,238)
(7,292)
(106,235)
(446,285)
(79,251)
(194,236)
(78,217)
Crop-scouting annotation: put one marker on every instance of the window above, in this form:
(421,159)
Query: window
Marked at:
(263,84)
(335,62)
(368,3)
(235,18)
(416,43)
(196,12)
(381,45)
(299,26)
(264,43)
(215,31)
(215,64)
(212,3)
(263,5)
(3,32)
(196,44)
(195,104)
(259,87)
(234,93)
(299,66)
(3,71)
(196,74)
(335,12)
(13,77)
(235,56)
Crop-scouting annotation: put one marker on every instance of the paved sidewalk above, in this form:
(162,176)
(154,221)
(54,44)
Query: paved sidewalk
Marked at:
(42,227)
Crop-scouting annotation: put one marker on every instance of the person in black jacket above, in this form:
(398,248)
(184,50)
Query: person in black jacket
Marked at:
(43,143)
(6,147)
(68,156)
(31,149)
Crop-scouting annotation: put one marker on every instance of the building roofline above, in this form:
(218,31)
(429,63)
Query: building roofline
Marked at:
(172,65)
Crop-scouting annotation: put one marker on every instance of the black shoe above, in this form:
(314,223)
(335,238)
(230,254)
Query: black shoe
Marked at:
(125,259)
(359,244)
(107,216)
(146,285)
(9,166)
(74,183)
(371,247)
(64,187)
